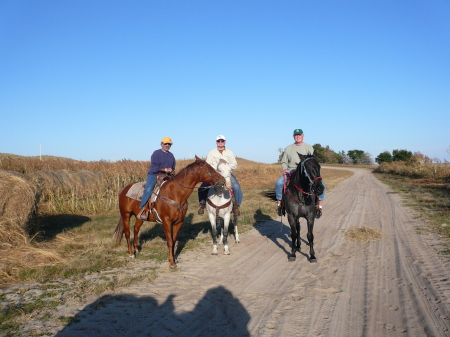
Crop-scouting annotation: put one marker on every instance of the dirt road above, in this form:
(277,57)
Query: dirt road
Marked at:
(395,286)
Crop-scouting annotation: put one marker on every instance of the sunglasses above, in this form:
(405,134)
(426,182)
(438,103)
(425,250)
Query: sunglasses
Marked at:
(220,141)
(167,144)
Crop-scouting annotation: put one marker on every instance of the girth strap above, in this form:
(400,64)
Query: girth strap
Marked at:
(174,203)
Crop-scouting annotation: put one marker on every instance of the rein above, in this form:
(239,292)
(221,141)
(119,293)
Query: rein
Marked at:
(185,174)
(311,181)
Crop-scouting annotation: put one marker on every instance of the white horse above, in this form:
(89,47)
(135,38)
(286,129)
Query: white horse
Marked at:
(219,206)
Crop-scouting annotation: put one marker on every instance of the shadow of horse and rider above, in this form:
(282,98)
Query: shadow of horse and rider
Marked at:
(218,313)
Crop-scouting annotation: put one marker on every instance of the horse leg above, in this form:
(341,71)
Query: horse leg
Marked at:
(175,230)
(126,231)
(293,223)
(212,220)
(167,227)
(236,234)
(137,226)
(310,236)
(226,223)
(297,230)
(219,227)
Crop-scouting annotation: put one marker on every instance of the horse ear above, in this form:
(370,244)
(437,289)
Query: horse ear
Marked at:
(302,157)
(197,158)
(314,153)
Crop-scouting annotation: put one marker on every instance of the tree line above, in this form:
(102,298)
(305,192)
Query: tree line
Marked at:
(359,157)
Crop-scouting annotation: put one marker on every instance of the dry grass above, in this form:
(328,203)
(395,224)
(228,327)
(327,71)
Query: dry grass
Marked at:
(417,170)
(364,234)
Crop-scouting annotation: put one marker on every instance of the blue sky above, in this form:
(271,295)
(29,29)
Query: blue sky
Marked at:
(94,80)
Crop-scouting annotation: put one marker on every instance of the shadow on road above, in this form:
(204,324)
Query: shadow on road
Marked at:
(218,313)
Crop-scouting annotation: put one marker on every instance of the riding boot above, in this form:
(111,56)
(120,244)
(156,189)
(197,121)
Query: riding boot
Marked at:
(279,209)
(201,208)
(236,210)
(143,214)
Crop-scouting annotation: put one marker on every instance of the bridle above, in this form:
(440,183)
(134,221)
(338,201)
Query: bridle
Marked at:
(311,181)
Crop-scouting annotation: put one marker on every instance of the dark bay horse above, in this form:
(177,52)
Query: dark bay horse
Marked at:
(171,205)
(300,201)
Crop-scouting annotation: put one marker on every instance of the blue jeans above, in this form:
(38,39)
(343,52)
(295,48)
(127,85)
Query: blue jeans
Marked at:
(279,188)
(203,192)
(149,185)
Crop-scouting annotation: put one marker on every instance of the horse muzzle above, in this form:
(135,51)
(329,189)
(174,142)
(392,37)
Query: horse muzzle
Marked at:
(318,187)
(219,187)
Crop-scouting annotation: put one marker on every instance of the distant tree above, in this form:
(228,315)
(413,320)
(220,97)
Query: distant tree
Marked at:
(355,155)
(331,156)
(344,158)
(384,157)
(320,153)
(421,158)
(365,159)
(281,154)
(401,155)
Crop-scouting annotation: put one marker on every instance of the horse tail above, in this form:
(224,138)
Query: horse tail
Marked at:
(118,232)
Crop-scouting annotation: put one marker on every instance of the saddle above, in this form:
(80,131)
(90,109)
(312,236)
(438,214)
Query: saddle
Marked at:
(144,213)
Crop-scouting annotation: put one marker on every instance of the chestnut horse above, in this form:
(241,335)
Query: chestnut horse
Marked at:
(171,205)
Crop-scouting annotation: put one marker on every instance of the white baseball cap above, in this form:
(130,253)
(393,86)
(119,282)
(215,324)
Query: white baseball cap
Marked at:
(220,137)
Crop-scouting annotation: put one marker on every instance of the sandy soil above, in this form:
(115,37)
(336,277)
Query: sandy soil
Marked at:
(395,286)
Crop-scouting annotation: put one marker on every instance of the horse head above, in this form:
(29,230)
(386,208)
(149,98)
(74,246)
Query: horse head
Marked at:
(225,170)
(309,171)
(207,174)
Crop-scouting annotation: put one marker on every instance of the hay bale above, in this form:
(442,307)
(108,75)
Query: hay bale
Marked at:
(53,182)
(18,199)
(48,181)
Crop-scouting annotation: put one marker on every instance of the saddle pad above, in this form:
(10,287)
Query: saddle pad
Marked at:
(136,191)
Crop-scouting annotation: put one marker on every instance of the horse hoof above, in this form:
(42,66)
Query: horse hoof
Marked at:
(313,260)
(226,253)
(291,258)
(132,257)
(213,253)
(173,267)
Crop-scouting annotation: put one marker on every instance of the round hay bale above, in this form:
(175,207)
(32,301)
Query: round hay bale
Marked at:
(65,180)
(18,199)
(47,181)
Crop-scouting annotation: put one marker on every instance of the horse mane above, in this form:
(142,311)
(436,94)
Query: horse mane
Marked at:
(190,166)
